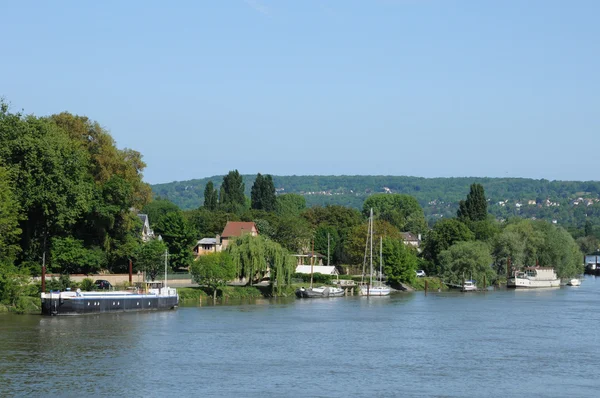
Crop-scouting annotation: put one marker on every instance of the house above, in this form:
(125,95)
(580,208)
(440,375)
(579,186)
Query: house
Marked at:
(147,232)
(411,239)
(235,229)
(207,245)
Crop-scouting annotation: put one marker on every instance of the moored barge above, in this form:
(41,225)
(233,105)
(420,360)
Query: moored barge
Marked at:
(154,297)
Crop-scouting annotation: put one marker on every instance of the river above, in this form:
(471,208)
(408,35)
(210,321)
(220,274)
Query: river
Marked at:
(502,343)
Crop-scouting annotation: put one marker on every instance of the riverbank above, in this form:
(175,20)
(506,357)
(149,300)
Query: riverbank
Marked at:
(199,294)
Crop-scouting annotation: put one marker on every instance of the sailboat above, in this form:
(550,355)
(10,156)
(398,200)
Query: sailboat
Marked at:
(370,289)
(322,291)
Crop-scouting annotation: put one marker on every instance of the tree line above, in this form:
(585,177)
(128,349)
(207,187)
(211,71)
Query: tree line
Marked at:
(70,198)
(439,197)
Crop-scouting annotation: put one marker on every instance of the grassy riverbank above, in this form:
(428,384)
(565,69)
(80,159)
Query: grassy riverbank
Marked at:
(23,305)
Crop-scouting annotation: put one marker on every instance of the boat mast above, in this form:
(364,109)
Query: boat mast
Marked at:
(380,260)
(312,262)
(328,249)
(371,234)
(166,260)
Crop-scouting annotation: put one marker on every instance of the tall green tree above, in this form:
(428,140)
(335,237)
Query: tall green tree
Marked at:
(400,262)
(466,260)
(529,242)
(9,219)
(290,204)
(263,193)
(355,244)
(179,238)
(474,208)
(69,255)
(213,270)
(327,239)
(50,175)
(402,211)
(232,191)
(443,235)
(159,208)
(210,197)
(150,259)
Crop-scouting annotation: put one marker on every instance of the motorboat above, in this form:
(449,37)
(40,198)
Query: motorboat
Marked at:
(469,286)
(574,282)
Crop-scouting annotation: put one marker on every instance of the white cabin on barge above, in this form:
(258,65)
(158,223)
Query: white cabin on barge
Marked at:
(534,277)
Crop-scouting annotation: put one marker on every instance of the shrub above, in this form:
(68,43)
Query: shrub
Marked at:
(87,285)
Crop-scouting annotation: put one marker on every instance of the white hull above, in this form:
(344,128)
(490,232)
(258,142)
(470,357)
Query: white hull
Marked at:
(531,284)
(574,282)
(375,291)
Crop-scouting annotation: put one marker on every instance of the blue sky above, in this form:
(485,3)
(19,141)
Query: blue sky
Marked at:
(429,88)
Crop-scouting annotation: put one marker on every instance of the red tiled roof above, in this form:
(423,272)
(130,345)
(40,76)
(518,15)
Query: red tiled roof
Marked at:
(236,228)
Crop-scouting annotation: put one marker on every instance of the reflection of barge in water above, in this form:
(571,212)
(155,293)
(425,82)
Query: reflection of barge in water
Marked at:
(155,297)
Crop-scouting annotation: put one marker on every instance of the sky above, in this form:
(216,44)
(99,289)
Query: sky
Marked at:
(427,88)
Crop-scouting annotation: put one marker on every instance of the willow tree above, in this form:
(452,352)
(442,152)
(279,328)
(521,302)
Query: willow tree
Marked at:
(255,256)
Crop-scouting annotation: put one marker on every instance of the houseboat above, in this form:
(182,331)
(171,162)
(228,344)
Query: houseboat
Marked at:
(534,277)
(153,297)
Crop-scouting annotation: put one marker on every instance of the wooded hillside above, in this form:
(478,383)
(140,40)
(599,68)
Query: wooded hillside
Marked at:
(570,203)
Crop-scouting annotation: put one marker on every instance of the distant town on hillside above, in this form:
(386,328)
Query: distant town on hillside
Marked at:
(568,203)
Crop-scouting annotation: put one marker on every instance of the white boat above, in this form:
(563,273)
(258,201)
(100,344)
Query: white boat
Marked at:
(322,291)
(469,286)
(574,282)
(534,277)
(319,292)
(369,289)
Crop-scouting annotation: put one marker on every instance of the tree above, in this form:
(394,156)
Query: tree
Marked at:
(213,270)
(467,260)
(529,242)
(588,228)
(327,240)
(159,208)
(205,223)
(263,193)
(443,235)
(402,211)
(290,204)
(9,219)
(400,262)
(210,197)
(354,245)
(294,234)
(150,258)
(179,238)
(474,208)
(69,256)
(53,186)
(254,256)
(232,191)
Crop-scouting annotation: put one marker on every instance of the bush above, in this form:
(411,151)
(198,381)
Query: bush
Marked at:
(28,305)
(87,285)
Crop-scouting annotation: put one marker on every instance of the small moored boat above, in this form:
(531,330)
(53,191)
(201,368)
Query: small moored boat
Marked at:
(319,292)
(469,286)
(574,282)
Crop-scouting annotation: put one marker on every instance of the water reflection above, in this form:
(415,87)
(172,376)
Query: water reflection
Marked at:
(442,344)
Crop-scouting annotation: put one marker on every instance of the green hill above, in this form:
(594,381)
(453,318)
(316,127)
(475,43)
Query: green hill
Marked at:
(570,203)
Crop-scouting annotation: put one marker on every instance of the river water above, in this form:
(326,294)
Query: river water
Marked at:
(502,343)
